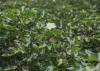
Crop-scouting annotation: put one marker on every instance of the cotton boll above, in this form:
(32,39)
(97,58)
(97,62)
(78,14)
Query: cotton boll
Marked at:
(50,25)
(53,0)
(23,8)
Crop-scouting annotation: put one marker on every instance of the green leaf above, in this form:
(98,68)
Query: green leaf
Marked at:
(9,68)
(92,57)
(75,49)
(10,13)
(1,26)
(13,51)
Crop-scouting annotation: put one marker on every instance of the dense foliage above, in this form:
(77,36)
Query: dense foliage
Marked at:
(26,42)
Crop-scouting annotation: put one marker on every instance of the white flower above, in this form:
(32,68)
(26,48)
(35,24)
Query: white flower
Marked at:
(50,25)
